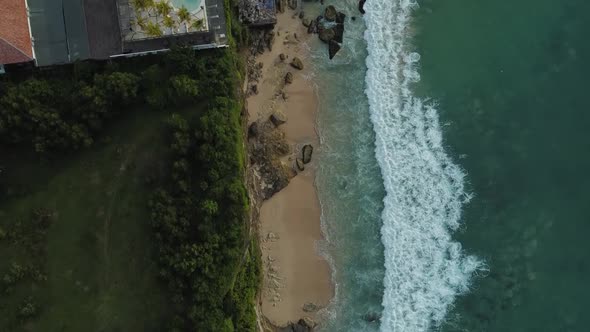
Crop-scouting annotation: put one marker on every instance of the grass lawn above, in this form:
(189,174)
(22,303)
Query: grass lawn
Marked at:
(98,259)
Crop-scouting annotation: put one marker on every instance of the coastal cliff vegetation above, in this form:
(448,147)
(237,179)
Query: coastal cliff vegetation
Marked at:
(122,191)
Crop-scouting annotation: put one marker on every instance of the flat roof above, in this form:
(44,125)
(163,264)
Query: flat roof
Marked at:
(59,31)
(102,24)
(15,38)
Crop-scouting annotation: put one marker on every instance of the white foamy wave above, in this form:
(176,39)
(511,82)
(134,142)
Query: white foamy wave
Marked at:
(425,268)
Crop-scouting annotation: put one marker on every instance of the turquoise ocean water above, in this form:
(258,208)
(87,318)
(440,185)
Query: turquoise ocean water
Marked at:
(452,174)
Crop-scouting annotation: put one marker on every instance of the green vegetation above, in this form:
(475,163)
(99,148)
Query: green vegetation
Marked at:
(122,198)
(79,229)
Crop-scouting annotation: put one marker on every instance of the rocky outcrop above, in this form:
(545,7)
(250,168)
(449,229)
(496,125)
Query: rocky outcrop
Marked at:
(330,13)
(253,130)
(340,16)
(339,33)
(333,48)
(266,150)
(303,325)
(361,6)
(306,154)
(327,34)
(251,12)
(296,63)
(260,40)
(278,118)
(292,4)
(329,27)
(254,70)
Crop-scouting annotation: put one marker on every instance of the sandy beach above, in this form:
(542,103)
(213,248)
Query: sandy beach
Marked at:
(295,275)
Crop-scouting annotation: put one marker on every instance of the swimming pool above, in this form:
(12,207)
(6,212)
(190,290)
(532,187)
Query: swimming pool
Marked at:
(191,5)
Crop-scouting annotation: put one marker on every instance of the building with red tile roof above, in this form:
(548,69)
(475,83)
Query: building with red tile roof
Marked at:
(15,37)
(54,32)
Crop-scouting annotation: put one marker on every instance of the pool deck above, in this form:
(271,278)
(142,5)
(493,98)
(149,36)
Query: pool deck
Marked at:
(214,36)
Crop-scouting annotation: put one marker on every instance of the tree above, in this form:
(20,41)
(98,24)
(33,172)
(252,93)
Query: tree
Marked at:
(142,5)
(163,8)
(198,25)
(183,89)
(152,29)
(169,22)
(140,21)
(118,88)
(184,16)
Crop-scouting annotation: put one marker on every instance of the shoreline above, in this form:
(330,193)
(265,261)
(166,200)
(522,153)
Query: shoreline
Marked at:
(297,279)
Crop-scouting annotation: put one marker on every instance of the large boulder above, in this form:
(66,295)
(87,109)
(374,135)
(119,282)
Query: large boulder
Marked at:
(313,26)
(278,118)
(330,13)
(289,78)
(327,34)
(333,48)
(306,154)
(361,6)
(340,16)
(306,22)
(292,4)
(296,63)
(339,33)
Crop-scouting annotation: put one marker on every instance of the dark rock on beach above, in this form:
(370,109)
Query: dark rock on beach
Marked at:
(306,153)
(313,26)
(289,78)
(333,48)
(339,33)
(330,13)
(361,6)
(296,63)
(340,18)
(327,34)
(306,22)
(303,325)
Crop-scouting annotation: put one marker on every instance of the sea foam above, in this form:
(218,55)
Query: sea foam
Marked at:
(425,269)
